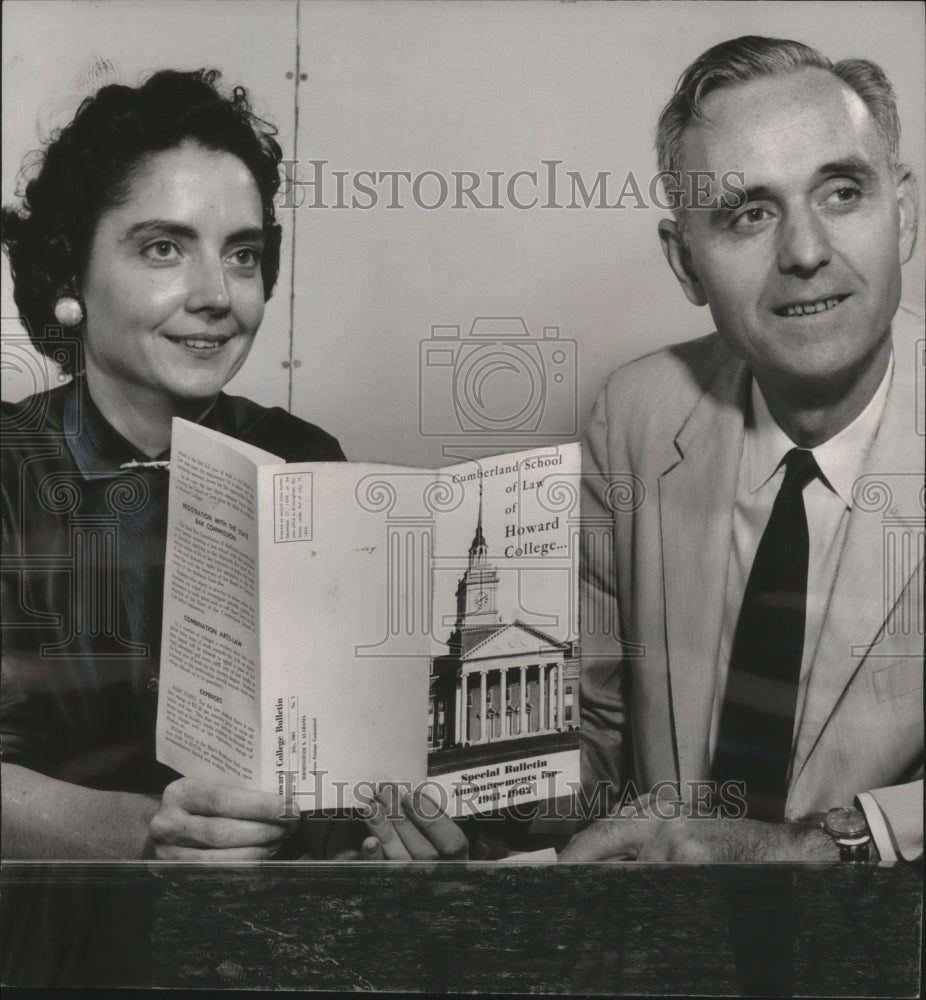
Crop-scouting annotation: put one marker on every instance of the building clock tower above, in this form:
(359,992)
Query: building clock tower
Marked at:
(477,589)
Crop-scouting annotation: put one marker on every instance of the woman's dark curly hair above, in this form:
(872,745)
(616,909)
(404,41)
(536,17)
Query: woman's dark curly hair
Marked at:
(87,169)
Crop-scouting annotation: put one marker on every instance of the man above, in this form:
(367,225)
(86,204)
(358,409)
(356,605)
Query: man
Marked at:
(768,656)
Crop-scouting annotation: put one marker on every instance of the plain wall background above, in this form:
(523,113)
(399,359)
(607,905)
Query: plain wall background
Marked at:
(438,87)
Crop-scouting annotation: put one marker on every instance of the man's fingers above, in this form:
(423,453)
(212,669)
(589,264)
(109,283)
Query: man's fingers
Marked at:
(689,849)
(612,839)
(651,839)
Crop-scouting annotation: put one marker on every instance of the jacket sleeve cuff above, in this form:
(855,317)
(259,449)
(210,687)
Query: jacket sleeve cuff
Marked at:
(880,833)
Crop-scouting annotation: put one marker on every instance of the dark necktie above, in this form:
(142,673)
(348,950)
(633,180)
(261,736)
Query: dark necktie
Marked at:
(757,717)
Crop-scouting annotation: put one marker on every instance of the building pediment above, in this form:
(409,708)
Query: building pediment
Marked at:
(514,639)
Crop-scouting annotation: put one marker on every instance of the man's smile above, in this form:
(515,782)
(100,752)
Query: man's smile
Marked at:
(809,307)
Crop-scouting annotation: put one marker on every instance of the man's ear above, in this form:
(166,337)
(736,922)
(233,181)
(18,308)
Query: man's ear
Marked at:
(678,255)
(908,203)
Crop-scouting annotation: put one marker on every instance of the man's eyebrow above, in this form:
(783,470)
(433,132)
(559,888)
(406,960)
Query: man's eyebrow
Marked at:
(851,166)
(738,198)
(734,200)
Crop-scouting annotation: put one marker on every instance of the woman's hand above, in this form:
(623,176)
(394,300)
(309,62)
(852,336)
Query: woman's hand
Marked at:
(201,821)
(408,826)
(400,826)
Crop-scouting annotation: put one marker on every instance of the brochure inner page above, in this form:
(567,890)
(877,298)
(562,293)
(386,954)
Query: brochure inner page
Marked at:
(344,638)
(208,722)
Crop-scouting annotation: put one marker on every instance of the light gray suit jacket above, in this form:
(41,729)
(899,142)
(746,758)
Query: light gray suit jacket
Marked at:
(661,465)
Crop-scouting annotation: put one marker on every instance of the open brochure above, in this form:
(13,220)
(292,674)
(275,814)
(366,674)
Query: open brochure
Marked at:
(328,626)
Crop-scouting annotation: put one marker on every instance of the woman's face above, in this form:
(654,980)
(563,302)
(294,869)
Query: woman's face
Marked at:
(173,290)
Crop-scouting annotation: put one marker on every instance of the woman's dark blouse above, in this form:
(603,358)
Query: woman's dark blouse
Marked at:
(82,576)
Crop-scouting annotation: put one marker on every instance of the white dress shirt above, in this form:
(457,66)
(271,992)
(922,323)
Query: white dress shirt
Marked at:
(827,501)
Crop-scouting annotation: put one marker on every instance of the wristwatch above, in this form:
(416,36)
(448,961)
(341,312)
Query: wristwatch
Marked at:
(849,828)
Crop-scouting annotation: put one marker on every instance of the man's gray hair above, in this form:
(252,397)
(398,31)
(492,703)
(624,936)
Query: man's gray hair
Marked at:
(752,57)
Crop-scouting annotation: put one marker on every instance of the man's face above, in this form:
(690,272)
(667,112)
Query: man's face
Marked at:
(803,278)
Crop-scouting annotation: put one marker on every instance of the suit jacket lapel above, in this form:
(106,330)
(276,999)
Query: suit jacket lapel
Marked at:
(696,511)
(886,497)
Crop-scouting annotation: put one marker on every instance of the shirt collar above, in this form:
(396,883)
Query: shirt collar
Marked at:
(97,447)
(840,458)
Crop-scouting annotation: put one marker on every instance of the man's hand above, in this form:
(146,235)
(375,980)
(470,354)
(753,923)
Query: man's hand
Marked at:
(643,836)
(406,826)
(201,821)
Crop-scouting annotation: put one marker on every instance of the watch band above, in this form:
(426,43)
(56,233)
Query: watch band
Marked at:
(855,850)
(849,829)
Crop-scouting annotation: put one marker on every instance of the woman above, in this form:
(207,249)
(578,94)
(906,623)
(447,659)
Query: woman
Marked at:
(149,235)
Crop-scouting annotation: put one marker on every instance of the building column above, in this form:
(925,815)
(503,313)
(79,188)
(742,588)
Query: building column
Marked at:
(522,698)
(484,707)
(551,698)
(457,697)
(560,695)
(503,700)
(464,705)
(541,708)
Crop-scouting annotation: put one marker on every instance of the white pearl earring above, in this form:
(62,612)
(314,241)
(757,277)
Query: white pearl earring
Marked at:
(68,311)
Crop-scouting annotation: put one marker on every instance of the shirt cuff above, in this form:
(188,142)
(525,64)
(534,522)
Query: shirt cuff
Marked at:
(877,824)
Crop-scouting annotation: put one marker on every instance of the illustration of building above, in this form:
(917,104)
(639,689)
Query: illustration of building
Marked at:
(498,680)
